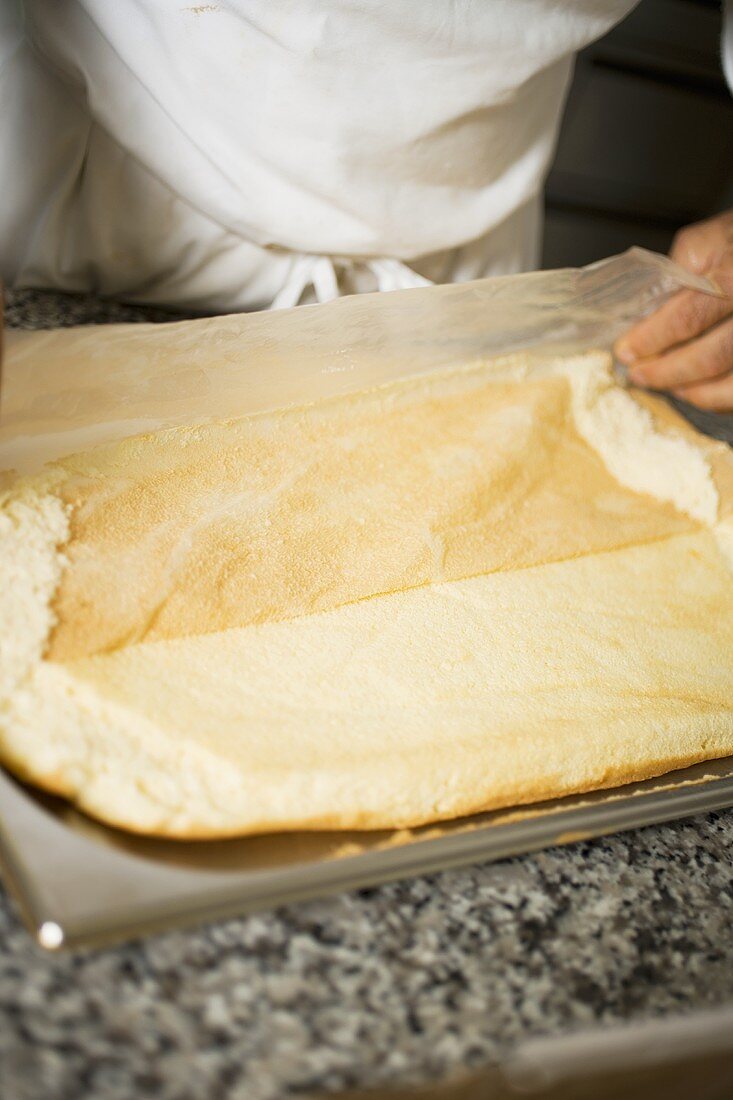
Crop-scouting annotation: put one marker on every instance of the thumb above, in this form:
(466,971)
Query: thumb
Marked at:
(698,247)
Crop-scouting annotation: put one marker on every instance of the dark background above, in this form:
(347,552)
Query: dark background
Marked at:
(646,144)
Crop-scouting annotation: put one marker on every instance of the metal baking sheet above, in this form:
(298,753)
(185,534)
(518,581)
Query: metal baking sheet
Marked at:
(79,882)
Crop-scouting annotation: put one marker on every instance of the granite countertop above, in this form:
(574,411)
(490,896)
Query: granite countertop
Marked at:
(403,982)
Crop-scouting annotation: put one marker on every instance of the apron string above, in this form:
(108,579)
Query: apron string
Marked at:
(320,273)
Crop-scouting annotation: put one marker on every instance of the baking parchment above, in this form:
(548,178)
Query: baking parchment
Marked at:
(65,390)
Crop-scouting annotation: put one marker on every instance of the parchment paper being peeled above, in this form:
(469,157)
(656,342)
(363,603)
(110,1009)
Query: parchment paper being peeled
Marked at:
(484,586)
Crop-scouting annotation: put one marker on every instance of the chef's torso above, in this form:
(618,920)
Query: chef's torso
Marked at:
(243,152)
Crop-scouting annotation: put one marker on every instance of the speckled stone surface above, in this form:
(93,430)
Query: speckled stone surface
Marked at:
(404,982)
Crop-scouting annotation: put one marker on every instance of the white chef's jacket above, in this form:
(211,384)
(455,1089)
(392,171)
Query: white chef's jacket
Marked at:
(247,153)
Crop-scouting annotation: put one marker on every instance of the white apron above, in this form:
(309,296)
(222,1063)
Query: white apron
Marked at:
(248,153)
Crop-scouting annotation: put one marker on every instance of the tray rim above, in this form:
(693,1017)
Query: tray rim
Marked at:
(59,918)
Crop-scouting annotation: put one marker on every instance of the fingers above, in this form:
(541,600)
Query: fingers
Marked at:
(686,315)
(687,344)
(709,356)
(715,396)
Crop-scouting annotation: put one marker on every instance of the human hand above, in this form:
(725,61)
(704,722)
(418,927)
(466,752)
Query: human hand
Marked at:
(686,346)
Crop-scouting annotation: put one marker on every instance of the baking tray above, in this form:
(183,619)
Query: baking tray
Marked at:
(79,882)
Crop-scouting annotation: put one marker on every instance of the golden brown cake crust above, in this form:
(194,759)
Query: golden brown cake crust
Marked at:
(439,597)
